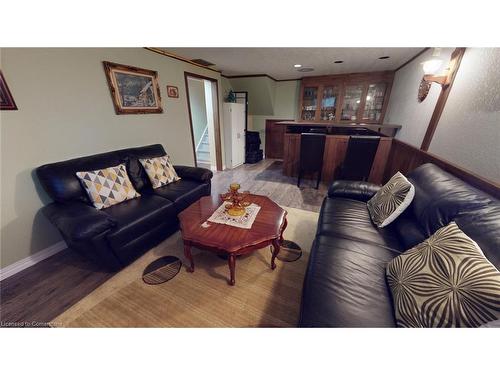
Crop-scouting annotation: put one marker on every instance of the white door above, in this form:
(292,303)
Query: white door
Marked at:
(238,133)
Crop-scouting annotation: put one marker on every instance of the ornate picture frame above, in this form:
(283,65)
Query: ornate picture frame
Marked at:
(133,90)
(172,91)
(7,102)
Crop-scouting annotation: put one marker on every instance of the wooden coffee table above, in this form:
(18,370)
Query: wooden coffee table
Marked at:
(267,229)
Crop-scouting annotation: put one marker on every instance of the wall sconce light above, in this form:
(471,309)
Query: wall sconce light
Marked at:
(431,67)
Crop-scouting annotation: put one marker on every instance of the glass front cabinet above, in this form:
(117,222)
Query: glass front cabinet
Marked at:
(349,98)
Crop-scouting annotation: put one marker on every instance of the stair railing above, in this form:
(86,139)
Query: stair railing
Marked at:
(201,138)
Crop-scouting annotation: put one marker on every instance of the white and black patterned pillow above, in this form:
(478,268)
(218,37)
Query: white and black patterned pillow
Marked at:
(108,186)
(446,281)
(160,171)
(391,200)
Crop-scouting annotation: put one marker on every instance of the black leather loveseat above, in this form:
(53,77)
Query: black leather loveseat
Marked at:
(345,284)
(118,234)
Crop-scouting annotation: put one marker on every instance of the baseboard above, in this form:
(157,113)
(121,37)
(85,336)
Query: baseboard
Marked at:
(31,260)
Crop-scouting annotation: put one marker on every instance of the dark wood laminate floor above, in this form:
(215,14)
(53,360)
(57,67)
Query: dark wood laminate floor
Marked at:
(40,293)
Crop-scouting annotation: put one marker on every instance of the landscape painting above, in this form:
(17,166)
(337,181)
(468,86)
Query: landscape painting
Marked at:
(133,90)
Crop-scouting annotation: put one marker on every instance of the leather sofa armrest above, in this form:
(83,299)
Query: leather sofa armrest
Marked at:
(194,173)
(358,190)
(77,220)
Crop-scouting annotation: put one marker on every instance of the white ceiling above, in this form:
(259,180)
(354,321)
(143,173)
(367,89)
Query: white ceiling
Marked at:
(278,62)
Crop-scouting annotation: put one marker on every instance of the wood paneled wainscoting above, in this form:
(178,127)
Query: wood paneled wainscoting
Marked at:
(405,158)
(335,151)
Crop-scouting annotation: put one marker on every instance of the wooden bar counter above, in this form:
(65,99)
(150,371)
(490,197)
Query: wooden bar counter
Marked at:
(335,150)
(385,129)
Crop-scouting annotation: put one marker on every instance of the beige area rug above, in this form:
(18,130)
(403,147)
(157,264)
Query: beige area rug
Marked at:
(261,297)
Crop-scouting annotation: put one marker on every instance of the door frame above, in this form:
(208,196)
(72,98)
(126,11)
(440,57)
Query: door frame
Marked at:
(218,150)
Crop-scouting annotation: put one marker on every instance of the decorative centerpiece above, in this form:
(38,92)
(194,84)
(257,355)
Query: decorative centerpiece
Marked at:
(236,201)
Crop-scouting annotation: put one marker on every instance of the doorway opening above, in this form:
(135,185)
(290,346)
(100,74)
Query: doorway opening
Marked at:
(203,106)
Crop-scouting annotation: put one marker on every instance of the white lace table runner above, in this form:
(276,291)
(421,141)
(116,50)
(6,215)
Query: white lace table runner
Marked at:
(244,221)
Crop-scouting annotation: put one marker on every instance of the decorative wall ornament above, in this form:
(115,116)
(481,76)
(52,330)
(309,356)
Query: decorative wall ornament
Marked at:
(6,99)
(133,90)
(423,90)
(172,91)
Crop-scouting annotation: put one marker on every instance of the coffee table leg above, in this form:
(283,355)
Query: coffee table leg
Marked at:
(189,256)
(283,229)
(276,250)
(231,261)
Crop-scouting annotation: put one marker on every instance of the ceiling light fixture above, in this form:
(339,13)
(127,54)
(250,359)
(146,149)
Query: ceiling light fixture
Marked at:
(384,57)
(338,62)
(297,66)
(305,70)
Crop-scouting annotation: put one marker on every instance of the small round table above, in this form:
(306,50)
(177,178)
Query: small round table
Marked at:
(267,229)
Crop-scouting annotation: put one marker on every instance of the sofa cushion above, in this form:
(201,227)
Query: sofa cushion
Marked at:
(440,197)
(135,170)
(108,186)
(160,171)
(408,230)
(77,220)
(391,200)
(137,216)
(345,285)
(183,192)
(60,181)
(349,218)
(483,226)
(358,190)
(445,281)
(194,173)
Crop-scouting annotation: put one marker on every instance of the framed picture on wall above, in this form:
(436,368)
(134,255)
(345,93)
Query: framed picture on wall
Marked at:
(172,91)
(6,99)
(133,90)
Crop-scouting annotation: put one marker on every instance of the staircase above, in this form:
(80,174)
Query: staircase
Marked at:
(203,151)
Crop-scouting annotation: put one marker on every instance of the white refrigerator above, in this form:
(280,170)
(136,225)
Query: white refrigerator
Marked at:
(234,134)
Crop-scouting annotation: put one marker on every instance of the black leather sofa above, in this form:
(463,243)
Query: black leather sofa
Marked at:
(115,236)
(345,284)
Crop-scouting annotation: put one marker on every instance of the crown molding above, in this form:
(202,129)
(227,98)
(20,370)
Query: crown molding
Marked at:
(260,75)
(180,58)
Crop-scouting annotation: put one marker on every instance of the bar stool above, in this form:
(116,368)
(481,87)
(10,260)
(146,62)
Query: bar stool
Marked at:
(359,157)
(312,148)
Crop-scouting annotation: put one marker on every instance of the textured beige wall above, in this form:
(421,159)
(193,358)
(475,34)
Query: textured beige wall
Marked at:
(65,111)
(404,108)
(468,133)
